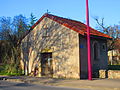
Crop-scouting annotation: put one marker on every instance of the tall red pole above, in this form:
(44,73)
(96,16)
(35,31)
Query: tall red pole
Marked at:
(88,43)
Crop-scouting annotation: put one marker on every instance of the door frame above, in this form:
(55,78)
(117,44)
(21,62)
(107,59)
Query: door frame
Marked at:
(50,68)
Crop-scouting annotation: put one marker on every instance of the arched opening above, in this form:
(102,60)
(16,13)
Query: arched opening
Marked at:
(96,51)
(96,63)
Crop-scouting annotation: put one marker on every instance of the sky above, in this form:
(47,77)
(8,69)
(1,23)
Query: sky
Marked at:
(72,9)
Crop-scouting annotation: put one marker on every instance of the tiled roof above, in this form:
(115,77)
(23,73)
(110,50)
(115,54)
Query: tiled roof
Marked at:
(73,25)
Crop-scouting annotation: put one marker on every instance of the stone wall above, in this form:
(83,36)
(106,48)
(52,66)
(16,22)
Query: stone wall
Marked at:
(97,64)
(102,74)
(111,74)
(114,57)
(114,74)
(61,41)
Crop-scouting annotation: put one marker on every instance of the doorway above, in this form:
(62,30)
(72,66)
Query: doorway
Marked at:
(46,65)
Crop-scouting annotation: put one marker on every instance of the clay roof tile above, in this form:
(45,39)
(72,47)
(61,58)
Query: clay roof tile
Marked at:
(73,25)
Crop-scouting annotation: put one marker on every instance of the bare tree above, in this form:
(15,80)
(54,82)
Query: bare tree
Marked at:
(11,32)
(113,31)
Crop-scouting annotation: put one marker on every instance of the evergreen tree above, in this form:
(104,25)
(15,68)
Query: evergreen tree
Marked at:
(32,20)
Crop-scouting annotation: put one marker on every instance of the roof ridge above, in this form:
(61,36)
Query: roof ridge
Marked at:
(46,14)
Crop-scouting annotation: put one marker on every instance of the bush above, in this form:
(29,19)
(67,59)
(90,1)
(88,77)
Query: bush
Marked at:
(11,70)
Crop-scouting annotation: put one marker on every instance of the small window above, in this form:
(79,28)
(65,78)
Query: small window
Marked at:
(96,51)
(104,47)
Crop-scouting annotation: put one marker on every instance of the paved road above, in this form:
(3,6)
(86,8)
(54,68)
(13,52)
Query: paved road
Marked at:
(5,85)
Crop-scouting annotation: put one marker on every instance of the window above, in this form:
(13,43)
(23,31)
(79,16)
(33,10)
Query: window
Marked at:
(96,51)
(103,47)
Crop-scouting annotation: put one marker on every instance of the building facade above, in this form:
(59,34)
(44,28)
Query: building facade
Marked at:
(57,47)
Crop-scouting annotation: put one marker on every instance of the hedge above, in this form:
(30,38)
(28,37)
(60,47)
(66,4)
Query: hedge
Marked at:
(113,67)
